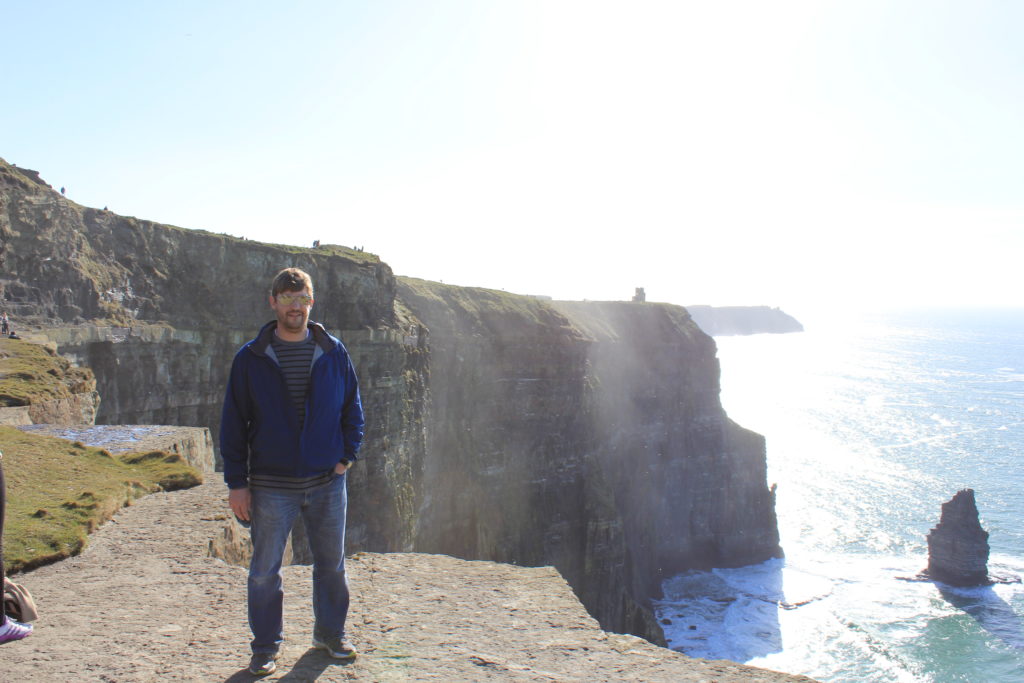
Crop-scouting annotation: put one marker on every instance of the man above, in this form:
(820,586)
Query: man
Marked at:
(291,427)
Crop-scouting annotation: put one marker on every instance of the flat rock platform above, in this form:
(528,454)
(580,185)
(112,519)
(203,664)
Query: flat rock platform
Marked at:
(146,602)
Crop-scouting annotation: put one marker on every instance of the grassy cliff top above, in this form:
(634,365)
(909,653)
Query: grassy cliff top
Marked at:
(58,491)
(30,373)
(30,180)
(480,310)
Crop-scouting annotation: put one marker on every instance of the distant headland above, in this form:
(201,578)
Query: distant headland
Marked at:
(723,321)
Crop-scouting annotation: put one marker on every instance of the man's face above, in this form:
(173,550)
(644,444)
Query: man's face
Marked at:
(292,309)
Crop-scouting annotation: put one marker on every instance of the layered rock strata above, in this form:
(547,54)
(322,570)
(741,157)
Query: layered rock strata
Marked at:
(588,436)
(958,545)
(79,409)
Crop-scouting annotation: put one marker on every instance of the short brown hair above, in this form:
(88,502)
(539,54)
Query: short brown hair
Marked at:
(291,280)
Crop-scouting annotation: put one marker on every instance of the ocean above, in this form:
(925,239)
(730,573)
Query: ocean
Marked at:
(872,422)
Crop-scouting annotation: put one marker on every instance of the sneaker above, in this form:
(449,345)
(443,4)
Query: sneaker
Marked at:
(263,663)
(339,648)
(14,630)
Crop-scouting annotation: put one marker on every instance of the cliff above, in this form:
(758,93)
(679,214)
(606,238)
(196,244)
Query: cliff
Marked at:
(587,436)
(721,321)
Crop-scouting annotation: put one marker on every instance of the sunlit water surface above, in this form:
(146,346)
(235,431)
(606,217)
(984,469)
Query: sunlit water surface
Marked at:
(871,425)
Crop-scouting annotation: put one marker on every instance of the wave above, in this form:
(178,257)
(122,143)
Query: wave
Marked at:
(868,432)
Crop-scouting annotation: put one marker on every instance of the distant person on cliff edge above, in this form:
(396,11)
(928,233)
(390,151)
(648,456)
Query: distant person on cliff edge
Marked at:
(9,628)
(291,427)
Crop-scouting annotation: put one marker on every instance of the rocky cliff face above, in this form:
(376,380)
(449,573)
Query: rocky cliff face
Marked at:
(584,435)
(79,409)
(588,436)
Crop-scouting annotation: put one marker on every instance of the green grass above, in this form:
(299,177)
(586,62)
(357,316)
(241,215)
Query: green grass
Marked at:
(30,373)
(334,250)
(481,303)
(59,491)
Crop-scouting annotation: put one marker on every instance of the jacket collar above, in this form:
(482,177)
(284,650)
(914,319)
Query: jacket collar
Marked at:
(262,341)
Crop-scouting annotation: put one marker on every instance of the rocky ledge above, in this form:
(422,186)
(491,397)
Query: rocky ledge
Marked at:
(194,444)
(170,612)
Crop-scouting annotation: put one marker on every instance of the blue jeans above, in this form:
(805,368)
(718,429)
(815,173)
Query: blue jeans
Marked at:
(273,513)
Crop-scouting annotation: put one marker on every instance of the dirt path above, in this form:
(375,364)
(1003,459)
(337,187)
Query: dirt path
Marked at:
(146,602)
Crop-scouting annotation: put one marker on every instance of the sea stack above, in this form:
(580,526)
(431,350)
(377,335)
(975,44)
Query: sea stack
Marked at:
(958,546)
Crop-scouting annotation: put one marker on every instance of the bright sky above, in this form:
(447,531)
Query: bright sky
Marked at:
(791,153)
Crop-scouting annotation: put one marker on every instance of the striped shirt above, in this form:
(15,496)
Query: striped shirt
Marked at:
(281,483)
(295,359)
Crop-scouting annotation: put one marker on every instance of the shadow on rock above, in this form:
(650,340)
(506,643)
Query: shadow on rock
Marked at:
(242,676)
(312,665)
(309,667)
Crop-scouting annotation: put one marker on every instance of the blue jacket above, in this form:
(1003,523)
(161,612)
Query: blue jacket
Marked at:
(259,428)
